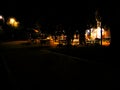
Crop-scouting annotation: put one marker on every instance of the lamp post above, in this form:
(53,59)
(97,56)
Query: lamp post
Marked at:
(1,20)
(1,27)
(12,22)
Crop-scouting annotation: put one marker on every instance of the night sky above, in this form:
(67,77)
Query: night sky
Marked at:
(69,12)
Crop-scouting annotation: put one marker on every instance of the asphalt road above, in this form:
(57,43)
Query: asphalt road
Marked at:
(36,68)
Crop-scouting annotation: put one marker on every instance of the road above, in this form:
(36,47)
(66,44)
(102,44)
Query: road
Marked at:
(36,68)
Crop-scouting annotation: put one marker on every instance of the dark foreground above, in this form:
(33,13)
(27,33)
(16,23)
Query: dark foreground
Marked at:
(42,68)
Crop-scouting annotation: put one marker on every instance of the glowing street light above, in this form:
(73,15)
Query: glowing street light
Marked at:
(13,22)
(2,18)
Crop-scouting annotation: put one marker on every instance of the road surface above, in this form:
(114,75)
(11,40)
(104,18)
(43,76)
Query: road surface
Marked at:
(36,68)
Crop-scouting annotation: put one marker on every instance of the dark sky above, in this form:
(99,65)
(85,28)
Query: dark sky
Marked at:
(59,11)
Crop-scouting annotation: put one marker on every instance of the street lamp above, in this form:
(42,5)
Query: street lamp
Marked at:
(13,22)
(13,25)
(1,19)
(1,22)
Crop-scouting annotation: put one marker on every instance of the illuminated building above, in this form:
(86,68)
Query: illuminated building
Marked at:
(99,35)
(76,39)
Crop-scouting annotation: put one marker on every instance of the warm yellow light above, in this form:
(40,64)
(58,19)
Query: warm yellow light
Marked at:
(12,20)
(15,24)
(56,43)
(36,31)
(105,43)
(48,37)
